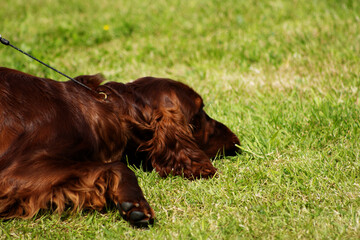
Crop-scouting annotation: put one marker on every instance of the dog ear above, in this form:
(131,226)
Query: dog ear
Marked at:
(172,149)
(92,81)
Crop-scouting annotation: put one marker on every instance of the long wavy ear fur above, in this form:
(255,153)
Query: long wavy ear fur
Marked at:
(173,150)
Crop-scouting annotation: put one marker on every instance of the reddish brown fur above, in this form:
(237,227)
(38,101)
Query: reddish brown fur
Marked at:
(61,144)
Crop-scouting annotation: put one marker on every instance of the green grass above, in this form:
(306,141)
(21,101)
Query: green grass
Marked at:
(283,75)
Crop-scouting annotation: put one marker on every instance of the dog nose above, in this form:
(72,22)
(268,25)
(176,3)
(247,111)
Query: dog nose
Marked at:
(234,148)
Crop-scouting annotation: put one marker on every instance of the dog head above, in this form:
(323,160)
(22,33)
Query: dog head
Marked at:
(211,136)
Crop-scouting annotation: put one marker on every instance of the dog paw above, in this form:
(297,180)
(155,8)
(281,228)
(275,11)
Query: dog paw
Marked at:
(138,214)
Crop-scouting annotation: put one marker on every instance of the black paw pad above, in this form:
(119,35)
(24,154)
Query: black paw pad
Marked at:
(144,223)
(136,216)
(126,206)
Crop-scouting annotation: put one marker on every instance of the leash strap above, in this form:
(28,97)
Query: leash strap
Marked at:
(7,43)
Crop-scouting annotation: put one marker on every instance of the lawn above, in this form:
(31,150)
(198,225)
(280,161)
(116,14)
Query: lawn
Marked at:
(284,75)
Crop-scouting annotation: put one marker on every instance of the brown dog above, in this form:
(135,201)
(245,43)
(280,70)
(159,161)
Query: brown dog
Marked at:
(62,144)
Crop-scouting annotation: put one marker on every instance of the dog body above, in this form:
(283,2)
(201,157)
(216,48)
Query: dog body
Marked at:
(61,144)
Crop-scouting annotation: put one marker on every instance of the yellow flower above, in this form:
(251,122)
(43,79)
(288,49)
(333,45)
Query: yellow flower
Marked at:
(106,27)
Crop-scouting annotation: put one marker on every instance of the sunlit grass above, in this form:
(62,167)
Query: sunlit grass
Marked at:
(283,75)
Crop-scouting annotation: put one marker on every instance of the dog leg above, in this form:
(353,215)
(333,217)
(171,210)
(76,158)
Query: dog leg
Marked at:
(99,183)
(125,192)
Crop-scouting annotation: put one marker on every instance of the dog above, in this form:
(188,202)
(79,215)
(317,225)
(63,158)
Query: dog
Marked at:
(64,145)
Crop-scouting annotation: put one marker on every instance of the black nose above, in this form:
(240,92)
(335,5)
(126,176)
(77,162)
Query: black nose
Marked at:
(234,148)
(233,151)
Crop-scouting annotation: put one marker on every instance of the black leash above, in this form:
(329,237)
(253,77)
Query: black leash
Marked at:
(7,43)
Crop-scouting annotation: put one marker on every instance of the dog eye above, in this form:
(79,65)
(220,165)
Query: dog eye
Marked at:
(196,121)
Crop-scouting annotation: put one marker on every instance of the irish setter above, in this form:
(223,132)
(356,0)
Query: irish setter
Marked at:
(64,145)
